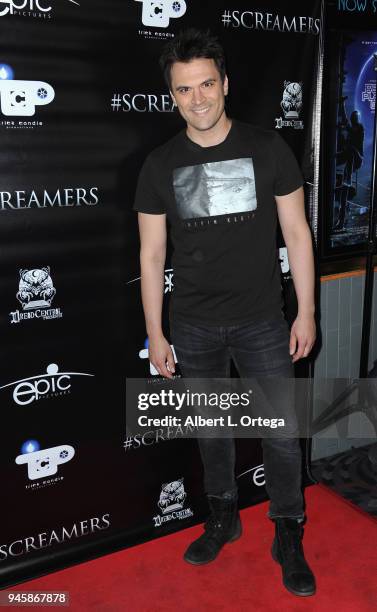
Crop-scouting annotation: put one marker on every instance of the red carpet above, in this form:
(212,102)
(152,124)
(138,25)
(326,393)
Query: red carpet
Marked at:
(340,543)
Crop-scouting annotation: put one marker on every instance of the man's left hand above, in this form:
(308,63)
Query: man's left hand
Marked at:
(303,334)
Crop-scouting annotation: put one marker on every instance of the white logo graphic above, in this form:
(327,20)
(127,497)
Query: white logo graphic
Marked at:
(283,259)
(19,98)
(171,502)
(144,354)
(292,99)
(159,12)
(291,105)
(257,474)
(35,288)
(36,292)
(168,280)
(12,7)
(45,462)
(51,384)
(28,8)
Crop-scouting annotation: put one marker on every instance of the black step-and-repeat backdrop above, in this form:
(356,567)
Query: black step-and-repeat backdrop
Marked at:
(82,102)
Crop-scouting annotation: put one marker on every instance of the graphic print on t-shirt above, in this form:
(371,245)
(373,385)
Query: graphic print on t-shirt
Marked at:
(216,189)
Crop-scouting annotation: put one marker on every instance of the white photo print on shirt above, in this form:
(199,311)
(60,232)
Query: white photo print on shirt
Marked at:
(216,189)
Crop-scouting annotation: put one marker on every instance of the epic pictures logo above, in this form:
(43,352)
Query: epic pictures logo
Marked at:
(256,474)
(36,292)
(44,386)
(40,9)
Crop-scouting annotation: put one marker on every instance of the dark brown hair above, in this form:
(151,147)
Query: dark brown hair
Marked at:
(192,44)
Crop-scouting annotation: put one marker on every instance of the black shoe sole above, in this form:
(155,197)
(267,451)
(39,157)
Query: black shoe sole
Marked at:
(234,538)
(299,593)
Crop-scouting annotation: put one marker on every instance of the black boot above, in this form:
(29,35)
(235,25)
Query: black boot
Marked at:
(287,550)
(222,526)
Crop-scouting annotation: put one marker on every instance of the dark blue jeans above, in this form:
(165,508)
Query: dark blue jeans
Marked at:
(258,349)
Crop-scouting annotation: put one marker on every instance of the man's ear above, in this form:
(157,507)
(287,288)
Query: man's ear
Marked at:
(226,86)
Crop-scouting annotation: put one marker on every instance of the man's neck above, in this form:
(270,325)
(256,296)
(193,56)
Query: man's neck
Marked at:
(214,136)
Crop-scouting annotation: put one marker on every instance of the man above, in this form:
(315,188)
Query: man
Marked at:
(219,183)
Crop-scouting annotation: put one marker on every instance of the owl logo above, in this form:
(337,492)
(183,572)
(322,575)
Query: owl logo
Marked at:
(291,103)
(35,288)
(172,496)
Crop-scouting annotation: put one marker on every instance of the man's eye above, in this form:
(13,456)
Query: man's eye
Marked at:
(208,84)
(183,90)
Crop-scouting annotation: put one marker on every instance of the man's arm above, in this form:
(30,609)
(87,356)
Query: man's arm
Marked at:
(297,236)
(152,230)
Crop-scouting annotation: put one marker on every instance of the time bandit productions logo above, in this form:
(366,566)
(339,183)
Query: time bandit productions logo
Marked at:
(36,292)
(44,386)
(171,502)
(291,105)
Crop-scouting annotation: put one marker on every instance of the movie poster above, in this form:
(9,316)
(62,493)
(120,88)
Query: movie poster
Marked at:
(348,139)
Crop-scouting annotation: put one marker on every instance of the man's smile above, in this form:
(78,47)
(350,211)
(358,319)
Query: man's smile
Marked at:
(200,111)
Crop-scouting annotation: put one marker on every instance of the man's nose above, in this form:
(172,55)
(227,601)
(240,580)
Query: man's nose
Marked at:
(197,96)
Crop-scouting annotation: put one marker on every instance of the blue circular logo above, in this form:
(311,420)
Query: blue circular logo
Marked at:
(6,72)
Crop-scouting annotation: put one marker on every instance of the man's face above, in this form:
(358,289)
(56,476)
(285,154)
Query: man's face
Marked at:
(198,92)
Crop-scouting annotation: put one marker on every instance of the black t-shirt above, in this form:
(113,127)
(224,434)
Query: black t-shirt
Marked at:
(220,204)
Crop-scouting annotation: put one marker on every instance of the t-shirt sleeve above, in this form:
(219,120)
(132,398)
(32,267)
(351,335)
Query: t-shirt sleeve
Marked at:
(288,176)
(147,199)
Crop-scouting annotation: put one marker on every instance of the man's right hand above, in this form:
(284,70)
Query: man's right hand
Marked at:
(161,356)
